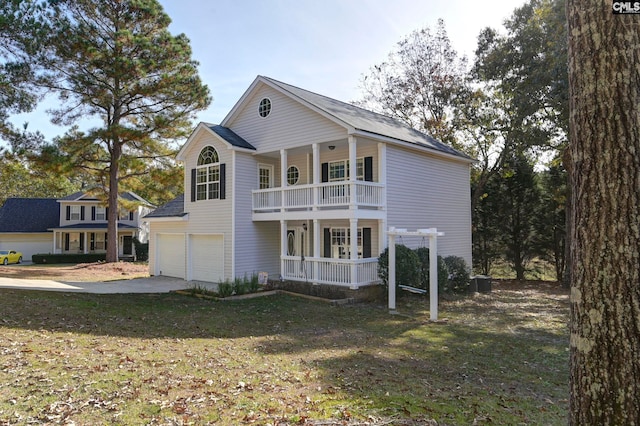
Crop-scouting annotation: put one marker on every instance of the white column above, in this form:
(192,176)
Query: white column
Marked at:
(352,171)
(392,272)
(86,243)
(283,244)
(316,178)
(55,233)
(316,248)
(353,243)
(283,177)
(433,276)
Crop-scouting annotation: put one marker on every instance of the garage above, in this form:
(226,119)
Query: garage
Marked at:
(27,244)
(170,260)
(207,257)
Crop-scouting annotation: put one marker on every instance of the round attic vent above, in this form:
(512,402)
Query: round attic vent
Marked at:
(264,108)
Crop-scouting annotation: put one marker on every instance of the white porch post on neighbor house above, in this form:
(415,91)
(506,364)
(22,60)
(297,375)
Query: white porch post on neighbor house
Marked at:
(353,171)
(353,243)
(433,235)
(54,241)
(85,245)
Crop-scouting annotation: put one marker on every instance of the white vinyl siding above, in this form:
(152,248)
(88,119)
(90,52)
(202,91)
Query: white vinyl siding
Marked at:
(430,192)
(290,124)
(257,244)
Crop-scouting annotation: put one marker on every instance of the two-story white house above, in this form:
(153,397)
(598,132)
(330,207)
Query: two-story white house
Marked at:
(304,187)
(83,224)
(73,224)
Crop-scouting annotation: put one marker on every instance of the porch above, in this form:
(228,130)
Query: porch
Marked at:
(340,252)
(321,196)
(342,272)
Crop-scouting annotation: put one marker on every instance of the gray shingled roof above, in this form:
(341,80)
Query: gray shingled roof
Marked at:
(367,121)
(128,195)
(29,215)
(174,208)
(230,136)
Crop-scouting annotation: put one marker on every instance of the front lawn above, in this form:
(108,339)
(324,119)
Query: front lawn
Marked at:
(500,358)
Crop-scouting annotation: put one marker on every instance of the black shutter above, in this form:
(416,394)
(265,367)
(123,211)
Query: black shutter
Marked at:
(106,212)
(68,214)
(368,169)
(81,212)
(366,243)
(105,240)
(81,241)
(66,242)
(327,242)
(193,185)
(93,213)
(325,172)
(223,181)
(92,236)
(131,215)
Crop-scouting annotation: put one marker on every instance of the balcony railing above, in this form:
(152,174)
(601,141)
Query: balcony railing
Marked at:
(343,272)
(325,195)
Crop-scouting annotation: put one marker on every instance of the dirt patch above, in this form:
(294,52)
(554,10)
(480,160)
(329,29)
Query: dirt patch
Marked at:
(82,272)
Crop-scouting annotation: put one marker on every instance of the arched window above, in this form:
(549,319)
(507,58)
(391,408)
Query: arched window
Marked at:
(208,155)
(208,175)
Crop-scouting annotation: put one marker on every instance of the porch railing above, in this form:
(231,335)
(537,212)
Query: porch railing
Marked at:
(331,271)
(323,195)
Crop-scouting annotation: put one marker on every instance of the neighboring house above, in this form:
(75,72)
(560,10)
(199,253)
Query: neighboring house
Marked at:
(304,187)
(73,224)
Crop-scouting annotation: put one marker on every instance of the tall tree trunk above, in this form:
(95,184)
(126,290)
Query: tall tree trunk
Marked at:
(604,74)
(114,211)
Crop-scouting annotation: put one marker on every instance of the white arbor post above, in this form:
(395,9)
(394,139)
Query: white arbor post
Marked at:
(433,235)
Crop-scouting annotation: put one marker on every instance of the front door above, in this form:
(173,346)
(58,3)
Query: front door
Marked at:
(127,245)
(296,242)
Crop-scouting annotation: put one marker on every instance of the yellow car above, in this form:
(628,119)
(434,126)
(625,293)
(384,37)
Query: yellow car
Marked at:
(10,256)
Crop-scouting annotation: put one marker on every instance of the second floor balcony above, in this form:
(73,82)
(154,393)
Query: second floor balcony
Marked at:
(343,195)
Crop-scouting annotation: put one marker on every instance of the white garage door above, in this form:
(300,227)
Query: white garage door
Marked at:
(207,258)
(28,246)
(171,258)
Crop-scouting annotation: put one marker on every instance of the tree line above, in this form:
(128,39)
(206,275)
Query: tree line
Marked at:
(508,108)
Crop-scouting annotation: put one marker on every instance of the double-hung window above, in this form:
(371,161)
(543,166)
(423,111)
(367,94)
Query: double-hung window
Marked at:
(75,213)
(340,170)
(208,175)
(340,243)
(101,213)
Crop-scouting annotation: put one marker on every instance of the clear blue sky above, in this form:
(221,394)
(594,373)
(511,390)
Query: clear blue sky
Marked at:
(321,45)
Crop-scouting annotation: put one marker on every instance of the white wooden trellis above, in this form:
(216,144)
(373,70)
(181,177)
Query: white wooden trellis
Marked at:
(432,234)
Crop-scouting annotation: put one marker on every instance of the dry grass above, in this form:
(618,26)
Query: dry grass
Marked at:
(499,358)
(83,272)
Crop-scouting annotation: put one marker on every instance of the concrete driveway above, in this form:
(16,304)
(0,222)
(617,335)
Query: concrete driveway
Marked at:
(138,285)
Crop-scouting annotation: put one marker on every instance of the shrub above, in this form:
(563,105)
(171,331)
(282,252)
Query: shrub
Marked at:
(225,288)
(239,286)
(142,250)
(407,266)
(412,269)
(252,283)
(425,267)
(68,258)
(458,271)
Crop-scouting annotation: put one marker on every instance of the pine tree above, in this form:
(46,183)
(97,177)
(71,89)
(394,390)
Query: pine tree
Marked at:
(115,63)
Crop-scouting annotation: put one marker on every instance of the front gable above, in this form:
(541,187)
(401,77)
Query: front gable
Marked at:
(290,122)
